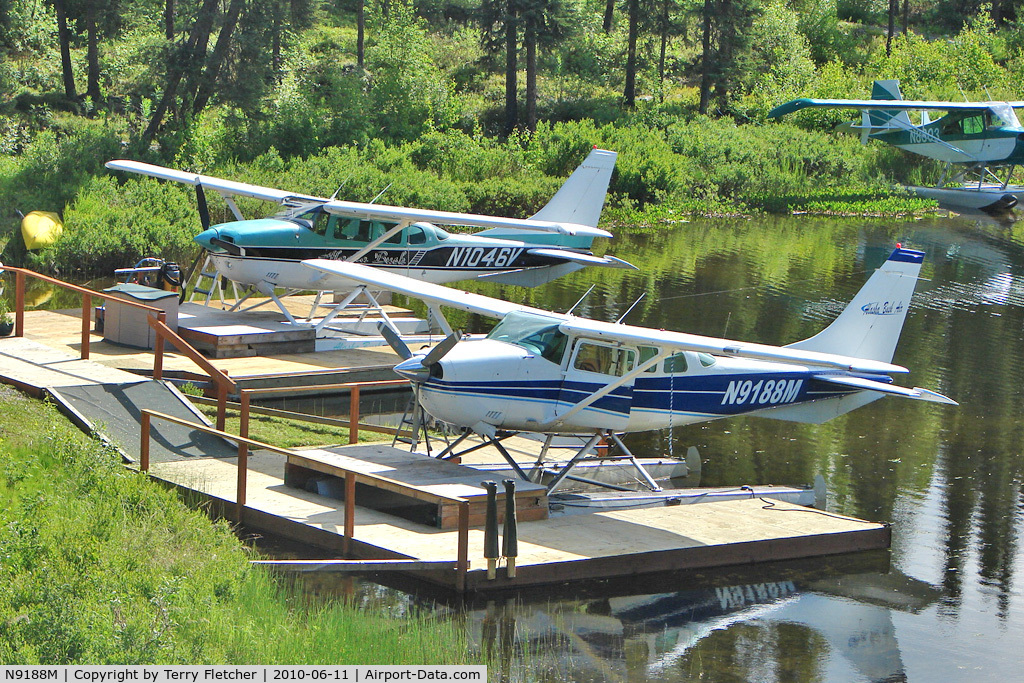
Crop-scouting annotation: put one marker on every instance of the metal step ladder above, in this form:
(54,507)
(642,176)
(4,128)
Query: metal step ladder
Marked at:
(208,274)
(414,419)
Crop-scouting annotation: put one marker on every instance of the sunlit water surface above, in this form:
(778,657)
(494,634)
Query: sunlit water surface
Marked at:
(946,604)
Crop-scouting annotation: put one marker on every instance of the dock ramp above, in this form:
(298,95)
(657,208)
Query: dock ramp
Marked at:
(113,411)
(108,402)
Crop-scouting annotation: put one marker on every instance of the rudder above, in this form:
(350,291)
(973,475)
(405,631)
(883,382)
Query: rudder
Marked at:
(870,325)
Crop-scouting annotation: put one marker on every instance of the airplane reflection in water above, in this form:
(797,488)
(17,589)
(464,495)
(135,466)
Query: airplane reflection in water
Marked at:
(832,629)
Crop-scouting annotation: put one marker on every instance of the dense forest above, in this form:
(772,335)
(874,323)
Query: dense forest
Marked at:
(465,105)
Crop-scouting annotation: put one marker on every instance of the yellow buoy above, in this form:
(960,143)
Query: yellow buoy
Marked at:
(41,229)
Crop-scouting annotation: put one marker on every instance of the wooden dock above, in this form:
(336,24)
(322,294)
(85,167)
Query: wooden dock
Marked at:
(560,548)
(61,331)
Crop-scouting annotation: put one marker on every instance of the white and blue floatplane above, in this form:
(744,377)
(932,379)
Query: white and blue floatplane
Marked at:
(555,373)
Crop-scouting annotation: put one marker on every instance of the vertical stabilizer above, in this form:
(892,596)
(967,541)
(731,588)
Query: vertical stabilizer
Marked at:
(581,198)
(869,327)
(888,90)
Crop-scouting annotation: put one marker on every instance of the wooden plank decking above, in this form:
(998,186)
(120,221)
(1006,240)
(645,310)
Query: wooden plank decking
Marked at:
(437,476)
(60,331)
(560,548)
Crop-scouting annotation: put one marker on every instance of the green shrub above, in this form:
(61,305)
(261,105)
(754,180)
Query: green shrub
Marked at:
(112,226)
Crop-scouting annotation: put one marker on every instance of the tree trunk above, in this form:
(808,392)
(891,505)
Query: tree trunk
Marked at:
(169,19)
(609,15)
(200,35)
(530,41)
(629,93)
(664,48)
(706,60)
(511,65)
(196,60)
(92,87)
(360,33)
(64,37)
(275,48)
(217,58)
(893,9)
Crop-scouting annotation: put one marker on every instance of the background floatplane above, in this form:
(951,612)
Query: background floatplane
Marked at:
(981,143)
(265,255)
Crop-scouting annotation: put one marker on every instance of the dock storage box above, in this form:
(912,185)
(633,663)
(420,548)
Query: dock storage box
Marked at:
(127,325)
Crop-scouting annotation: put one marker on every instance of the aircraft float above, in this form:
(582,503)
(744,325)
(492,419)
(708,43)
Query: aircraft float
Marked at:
(550,373)
(266,254)
(978,138)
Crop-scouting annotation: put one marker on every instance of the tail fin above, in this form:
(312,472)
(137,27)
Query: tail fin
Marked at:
(869,327)
(579,200)
(887,90)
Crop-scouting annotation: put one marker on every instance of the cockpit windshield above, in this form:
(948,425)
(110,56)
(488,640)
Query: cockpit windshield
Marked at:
(536,333)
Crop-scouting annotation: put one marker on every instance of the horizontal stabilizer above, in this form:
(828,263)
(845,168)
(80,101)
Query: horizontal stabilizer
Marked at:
(584,259)
(532,277)
(916,393)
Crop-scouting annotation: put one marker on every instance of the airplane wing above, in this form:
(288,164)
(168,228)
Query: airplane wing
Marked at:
(721,347)
(224,187)
(382,212)
(425,291)
(890,105)
(361,210)
(496,308)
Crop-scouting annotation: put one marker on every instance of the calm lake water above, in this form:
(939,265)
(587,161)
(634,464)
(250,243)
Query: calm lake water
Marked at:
(946,604)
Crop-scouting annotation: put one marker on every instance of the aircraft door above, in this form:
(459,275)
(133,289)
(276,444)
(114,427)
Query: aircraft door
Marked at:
(591,368)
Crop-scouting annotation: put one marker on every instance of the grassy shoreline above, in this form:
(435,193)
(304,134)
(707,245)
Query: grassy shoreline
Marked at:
(99,565)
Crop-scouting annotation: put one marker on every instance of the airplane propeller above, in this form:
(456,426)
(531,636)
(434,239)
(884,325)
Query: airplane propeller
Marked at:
(416,366)
(204,209)
(394,341)
(441,350)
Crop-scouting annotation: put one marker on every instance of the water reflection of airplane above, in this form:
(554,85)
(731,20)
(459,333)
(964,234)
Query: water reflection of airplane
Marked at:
(555,374)
(265,254)
(975,137)
(658,632)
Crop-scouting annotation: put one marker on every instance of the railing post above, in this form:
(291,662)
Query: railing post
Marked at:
(243,413)
(19,303)
(222,405)
(350,510)
(353,415)
(86,322)
(144,446)
(462,564)
(158,347)
(243,470)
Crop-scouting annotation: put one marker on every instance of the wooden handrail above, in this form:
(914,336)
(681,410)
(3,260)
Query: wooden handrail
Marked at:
(158,323)
(351,477)
(87,295)
(301,417)
(219,377)
(353,401)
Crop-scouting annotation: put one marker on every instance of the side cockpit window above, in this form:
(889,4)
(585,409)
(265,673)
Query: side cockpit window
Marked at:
(316,220)
(605,360)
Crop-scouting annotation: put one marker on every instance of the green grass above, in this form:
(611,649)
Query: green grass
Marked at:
(286,433)
(100,565)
